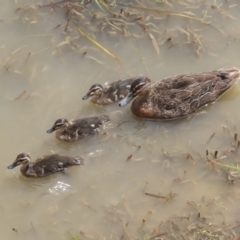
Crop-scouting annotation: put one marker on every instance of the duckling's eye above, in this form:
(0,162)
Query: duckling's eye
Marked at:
(94,90)
(60,124)
(21,159)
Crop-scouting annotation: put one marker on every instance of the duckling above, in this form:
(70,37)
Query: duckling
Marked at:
(111,93)
(71,131)
(44,166)
(179,96)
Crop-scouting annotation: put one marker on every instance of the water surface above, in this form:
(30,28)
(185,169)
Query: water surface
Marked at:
(44,78)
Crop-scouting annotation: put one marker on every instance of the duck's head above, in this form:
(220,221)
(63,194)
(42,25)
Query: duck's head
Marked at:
(60,123)
(95,90)
(22,158)
(135,89)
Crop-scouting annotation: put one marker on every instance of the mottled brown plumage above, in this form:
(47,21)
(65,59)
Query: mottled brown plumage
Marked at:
(112,93)
(71,131)
(181,95)
(44,166)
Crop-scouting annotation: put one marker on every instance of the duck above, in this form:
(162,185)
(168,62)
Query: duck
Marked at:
(112,93)
(44,166)
(179,96)
(71,131)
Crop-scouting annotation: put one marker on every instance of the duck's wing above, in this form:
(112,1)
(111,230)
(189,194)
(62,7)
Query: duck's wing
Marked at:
(116,91)
(119,89)
(206,87)
(220,79)
(83,127)
(91,122)
(53,163)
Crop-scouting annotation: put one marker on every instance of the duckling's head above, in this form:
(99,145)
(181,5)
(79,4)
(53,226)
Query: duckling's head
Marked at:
(135,89)
(60,123)
(22,158)
(95,90)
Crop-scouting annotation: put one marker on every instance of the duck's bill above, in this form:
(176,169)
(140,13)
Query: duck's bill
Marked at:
(12,166)
(50,130)
(86,96)
(126,100)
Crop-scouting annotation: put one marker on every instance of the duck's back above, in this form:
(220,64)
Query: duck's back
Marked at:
(81,128)
(116,91)
(91,122)
(53,163)
(178,96)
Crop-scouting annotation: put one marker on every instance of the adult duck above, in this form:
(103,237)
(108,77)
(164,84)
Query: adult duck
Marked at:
(179,96)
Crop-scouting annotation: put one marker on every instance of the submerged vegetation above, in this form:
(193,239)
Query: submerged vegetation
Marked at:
(137,19)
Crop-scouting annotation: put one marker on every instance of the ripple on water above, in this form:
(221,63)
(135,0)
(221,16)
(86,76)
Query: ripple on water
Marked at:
(30,184)
(96,153)
(60,187)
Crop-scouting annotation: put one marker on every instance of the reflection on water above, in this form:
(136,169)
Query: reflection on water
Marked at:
(140,178)
(59,188)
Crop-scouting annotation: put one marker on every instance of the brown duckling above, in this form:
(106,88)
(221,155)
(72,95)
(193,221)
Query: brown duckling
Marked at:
(112,93)
(71,131)
(179,96)
(44,166)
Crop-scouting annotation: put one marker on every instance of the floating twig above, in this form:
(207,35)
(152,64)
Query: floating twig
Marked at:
(211,137)
(82,32)
(20,95)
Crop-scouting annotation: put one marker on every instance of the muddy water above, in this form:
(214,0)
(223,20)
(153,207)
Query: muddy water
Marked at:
(43,79)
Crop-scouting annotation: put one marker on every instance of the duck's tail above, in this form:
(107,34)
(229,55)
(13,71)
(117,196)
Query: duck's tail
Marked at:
(77,161)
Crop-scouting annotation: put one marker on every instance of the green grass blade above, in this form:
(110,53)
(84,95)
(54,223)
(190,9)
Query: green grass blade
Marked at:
(237,168)
(98,4)
(74,237)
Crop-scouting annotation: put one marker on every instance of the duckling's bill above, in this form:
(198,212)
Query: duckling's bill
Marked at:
(13,165)
(88,95)
(51,130)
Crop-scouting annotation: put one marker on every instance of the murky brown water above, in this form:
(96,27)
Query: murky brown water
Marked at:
(106,197)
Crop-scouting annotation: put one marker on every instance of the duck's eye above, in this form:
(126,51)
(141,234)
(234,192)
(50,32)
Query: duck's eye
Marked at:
(60,124)
(21,160)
